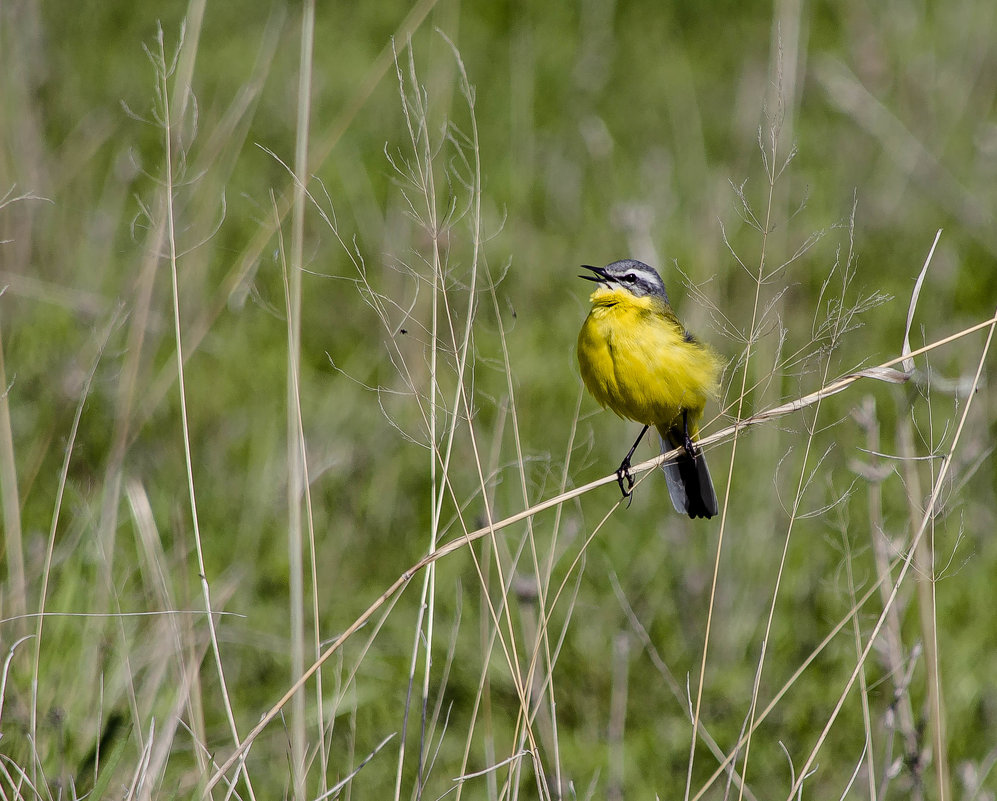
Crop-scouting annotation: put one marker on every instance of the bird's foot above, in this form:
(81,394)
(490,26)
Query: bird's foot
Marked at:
(624,474)
(687,443)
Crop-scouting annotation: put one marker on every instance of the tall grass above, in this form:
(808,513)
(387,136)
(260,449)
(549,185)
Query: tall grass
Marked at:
(303,498)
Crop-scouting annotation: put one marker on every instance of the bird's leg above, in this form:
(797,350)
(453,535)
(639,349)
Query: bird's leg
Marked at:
(688,444)
(624,471)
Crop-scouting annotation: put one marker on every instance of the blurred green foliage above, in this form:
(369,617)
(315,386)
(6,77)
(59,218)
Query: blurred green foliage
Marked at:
(606,130)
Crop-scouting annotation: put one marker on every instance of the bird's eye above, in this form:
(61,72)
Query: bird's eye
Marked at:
(630,278)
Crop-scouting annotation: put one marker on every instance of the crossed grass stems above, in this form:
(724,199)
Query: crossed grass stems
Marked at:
(536,692)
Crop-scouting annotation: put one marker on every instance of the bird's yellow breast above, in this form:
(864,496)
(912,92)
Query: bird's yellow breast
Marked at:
(637,359)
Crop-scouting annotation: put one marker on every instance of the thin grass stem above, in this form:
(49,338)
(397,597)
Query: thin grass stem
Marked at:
(174,281)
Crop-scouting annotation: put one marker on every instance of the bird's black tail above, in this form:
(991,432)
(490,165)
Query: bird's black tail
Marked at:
(689,484)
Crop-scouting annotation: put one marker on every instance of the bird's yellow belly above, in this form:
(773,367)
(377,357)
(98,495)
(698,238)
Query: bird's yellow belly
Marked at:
(640,365)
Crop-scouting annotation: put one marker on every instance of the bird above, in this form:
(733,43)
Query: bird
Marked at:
(637,359)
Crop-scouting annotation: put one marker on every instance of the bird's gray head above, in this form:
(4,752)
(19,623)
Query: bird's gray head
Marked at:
(634,276)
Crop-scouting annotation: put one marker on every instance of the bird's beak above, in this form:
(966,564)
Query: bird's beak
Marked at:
(600,276)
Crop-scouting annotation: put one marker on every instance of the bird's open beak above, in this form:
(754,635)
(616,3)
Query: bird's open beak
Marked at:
(600,276)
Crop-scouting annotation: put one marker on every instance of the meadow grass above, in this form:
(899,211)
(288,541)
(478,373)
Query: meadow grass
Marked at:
(302,495)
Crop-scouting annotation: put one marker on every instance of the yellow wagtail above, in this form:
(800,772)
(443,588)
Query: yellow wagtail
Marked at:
(639,360)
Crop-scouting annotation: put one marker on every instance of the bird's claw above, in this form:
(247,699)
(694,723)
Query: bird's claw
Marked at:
(624,474)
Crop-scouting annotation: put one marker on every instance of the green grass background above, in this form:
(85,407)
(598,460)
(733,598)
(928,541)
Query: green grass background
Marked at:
(605,130)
